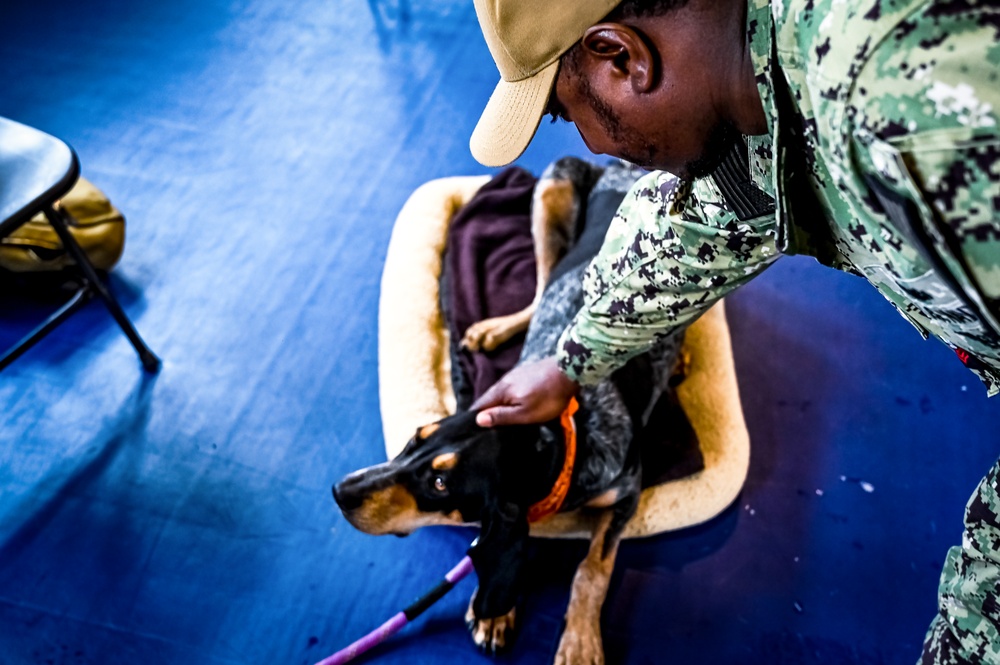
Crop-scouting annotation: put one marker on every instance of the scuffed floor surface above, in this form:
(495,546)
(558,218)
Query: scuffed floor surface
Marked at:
(260,151)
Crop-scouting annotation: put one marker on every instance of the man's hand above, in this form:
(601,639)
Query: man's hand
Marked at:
(530,393)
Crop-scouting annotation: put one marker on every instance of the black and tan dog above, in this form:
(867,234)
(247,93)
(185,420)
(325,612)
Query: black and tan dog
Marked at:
(456,473)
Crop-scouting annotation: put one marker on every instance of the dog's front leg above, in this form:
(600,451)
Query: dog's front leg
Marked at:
(498,557)
(581,642)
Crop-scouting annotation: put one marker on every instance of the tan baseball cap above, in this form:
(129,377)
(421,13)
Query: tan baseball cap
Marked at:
(526,39)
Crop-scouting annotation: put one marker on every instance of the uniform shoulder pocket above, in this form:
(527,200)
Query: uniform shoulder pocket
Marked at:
(941,191)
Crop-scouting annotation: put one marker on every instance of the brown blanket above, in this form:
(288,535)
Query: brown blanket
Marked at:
(489,271)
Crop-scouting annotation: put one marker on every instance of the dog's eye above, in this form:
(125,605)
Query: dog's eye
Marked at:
(439,484)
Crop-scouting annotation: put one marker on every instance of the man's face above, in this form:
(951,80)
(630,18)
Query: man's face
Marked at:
(675,129)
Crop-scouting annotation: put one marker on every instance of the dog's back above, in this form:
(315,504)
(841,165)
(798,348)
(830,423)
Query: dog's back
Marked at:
(600,191)
(616,408)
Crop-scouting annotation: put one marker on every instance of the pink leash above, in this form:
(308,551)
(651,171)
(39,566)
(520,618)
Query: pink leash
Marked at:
(396,623)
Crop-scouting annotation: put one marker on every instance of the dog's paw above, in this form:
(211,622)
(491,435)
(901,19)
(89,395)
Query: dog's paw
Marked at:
(488,334)
(483,336)
(581,644)
(494,635)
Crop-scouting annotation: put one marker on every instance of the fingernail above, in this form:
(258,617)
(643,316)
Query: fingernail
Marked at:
(483,419)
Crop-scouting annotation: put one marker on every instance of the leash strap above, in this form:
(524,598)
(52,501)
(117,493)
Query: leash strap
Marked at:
(396,623)
(551,504)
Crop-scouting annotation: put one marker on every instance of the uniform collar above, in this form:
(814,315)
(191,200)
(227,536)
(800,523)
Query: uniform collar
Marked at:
(766,161)
(760,30)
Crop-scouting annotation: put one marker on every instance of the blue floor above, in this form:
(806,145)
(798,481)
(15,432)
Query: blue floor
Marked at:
(260,151)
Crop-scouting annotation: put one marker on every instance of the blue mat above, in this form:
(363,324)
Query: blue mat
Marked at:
(260,151)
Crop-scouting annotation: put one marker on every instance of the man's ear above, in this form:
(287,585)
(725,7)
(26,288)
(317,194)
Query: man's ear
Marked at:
(498,557)
(624,53)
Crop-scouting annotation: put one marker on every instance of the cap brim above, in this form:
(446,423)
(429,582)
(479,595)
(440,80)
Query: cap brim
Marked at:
(511,118)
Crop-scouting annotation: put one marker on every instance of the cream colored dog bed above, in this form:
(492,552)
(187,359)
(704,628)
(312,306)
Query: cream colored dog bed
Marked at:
(415,374)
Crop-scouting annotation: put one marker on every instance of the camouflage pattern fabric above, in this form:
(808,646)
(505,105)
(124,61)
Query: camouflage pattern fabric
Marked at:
(883,157)
(967,628)
(883,160)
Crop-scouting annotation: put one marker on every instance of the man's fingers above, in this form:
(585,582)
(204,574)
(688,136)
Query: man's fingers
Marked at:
(484,418)
(492,397)
(497,416)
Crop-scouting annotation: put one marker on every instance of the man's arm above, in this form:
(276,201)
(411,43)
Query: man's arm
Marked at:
(661,265)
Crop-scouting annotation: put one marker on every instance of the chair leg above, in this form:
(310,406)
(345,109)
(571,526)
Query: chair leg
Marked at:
(56,218)
(78,300)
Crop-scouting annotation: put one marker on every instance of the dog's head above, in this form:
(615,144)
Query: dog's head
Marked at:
(454,472)
(446,474)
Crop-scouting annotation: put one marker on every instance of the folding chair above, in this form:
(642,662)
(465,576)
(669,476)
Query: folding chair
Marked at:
(36,170)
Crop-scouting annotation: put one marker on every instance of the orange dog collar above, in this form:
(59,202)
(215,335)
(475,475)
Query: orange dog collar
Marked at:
(551,504)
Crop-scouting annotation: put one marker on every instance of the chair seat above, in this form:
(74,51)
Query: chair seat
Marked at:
(35,170)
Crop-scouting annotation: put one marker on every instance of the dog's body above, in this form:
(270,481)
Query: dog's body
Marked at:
(454,472)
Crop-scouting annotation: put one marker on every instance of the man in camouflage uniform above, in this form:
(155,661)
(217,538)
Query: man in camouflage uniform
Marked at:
(861,132)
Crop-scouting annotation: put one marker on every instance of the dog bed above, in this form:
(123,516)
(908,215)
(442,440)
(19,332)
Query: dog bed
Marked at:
(415,373)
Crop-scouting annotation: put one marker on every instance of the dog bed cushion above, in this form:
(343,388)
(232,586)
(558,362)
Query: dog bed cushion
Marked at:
(415,372)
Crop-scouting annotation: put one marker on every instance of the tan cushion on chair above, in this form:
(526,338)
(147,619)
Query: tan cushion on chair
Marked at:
(415,373)
(97,226)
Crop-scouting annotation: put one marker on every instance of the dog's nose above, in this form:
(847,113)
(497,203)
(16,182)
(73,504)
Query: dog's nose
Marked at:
(346,500)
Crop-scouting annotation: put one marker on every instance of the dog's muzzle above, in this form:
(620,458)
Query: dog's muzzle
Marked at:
(351,491)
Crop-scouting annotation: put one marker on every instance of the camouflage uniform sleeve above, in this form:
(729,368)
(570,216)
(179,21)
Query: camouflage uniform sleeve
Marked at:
(670,253)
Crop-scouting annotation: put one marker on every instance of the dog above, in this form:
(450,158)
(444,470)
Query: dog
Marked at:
(453,472)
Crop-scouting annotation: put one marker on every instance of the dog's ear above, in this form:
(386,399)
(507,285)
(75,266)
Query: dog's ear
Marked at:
(498,557)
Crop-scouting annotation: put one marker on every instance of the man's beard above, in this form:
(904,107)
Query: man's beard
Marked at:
(720,141)
(618,132)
